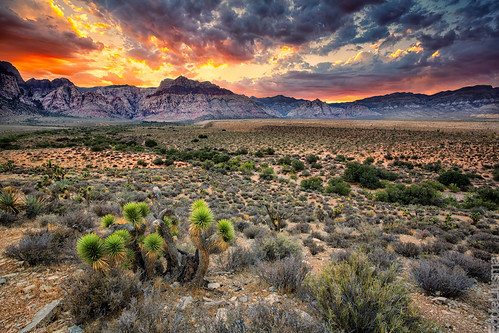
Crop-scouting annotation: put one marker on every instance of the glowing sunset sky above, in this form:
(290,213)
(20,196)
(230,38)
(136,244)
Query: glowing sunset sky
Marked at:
(333,50)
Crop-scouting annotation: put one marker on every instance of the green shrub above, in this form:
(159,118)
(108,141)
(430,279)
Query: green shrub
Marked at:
(338,186)
(485,197)
(247,167)
(311,158)
(298,165)
(414,194)
(454,177)
(150,143)
(279,247)
(312,184)
(363,174)
(267,173)
(352,297)
(495,173)
(286,160)
(369,160)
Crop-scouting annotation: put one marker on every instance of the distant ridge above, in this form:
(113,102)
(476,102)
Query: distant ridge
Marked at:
(183,99)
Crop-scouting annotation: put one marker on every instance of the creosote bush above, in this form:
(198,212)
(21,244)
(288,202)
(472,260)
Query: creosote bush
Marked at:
(94,295)
(287,274)
(237,258)
(279,247)
(264,318)
(36,247)
(352,297)
(437,279)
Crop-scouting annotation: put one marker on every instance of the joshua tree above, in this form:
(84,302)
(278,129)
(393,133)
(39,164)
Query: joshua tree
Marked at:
(277,217)
(134,243)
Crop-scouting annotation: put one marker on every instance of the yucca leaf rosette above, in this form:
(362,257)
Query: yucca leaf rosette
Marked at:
(144,209)
(202,217)
(125,234)
(115,247)
(153,244)
(91,250)
(133,214)
(172,225)
(198,204)
(107,220)
(226,230)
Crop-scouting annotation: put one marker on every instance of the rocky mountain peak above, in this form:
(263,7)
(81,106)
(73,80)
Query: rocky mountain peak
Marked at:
(7,68)
(184,86)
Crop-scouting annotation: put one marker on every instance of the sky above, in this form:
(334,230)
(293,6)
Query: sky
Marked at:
(336,50)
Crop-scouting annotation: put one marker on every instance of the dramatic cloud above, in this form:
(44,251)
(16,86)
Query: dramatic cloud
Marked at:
(333,50)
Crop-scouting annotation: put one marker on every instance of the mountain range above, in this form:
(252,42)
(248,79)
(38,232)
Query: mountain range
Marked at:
(183,99)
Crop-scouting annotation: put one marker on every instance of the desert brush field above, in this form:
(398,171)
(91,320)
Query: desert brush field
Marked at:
(249,226)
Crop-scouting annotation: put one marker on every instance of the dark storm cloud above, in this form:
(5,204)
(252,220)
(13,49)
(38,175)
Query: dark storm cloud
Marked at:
(41,37)
(233,29)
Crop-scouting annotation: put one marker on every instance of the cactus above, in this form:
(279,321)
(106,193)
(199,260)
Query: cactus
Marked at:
(143,245)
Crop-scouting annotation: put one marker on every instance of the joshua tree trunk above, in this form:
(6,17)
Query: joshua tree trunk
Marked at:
(204,262)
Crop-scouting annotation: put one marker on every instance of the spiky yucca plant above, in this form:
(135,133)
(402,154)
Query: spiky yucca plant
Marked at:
(115,247)
(143,208)
(226,231)
(206,238)
(172,225)
(201,218)
(125,234)
(91,250)
(34,205)
(107,220)
(140,246)
(153,244)
(10,200)
(134,213)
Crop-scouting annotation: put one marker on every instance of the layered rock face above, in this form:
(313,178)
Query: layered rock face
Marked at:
(476,101)
(174,100)
(184,99)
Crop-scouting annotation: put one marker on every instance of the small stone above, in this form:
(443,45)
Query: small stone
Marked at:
(440,300)
(43,316)
(29,288)
(243,299)
(233,299)
(448,326)
(271,299)
(75,329)
(222,314)
(175,284)
(305,316)
(3,281)
(213,285)
(214,304)
(10,275)
(184,302)
(272,289)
